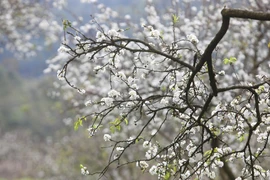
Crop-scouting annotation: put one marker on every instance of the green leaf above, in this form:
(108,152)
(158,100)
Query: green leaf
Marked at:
(112,129)
(118,127)
(138,139)
(66,24)
(241,138)
(126,121)
(116,124)
(167,175)
(230,61)
(79,122)
(260,89)
(207,153)
(215,131)
(233,59)
(163,88)
(175,19)
(226,61)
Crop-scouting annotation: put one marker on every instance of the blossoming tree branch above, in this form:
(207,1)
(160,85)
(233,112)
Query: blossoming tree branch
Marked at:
(174,106)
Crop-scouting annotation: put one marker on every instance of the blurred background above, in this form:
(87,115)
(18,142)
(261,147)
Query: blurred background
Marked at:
(37,139)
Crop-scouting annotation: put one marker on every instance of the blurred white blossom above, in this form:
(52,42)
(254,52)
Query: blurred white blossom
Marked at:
(193,39)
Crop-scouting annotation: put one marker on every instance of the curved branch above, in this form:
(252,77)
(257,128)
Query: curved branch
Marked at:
(244,14)
(207,55)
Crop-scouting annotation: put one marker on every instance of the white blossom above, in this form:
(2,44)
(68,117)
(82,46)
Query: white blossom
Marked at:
(108,101)
(91,131)
(63,49)
(97,68)
(107,137)
(134,86)
(152,151)
(100,36)
(133,95)
(121,75)
(119,148)
(221,73)
(87,103)
(193,39)
(142,164)
(185,175)
(219,163)
(77,38)
(146,144)
(262,137)
(155,33)
(60,75)
(129,104)
(113,33)
(127,16)
(211,174)
(181,162)
(113,93)
(81,91)
(153,170)
(84,171)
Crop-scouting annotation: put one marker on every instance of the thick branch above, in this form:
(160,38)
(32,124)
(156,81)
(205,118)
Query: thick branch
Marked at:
(207,55)
(237,13)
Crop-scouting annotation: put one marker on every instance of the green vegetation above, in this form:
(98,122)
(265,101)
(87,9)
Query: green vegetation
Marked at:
(25,104)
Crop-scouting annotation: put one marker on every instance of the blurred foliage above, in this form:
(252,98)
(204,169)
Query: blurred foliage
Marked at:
(25,104)
(36,142)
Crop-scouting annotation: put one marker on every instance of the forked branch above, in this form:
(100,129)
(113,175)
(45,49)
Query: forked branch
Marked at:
(207,55)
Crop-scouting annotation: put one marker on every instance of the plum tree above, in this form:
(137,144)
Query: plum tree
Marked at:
(182,95)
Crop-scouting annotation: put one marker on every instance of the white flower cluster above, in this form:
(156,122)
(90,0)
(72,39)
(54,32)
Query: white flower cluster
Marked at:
(159,170)
(121,75)
(153,32)
(142,164)
(87,103)
(193,39)
(111,34)
(152,149)
(108,101)
(133,95)
(63,49)
(107,137)
(100,36)
(60,75)
(91,131)
(120,149)
(81,91)
(84,170)
(113,93)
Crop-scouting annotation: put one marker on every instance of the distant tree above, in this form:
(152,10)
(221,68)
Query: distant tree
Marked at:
(182,95)
(23,23)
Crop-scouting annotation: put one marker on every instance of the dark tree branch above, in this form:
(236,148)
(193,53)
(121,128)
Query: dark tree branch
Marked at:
(244,14)
(207,55)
